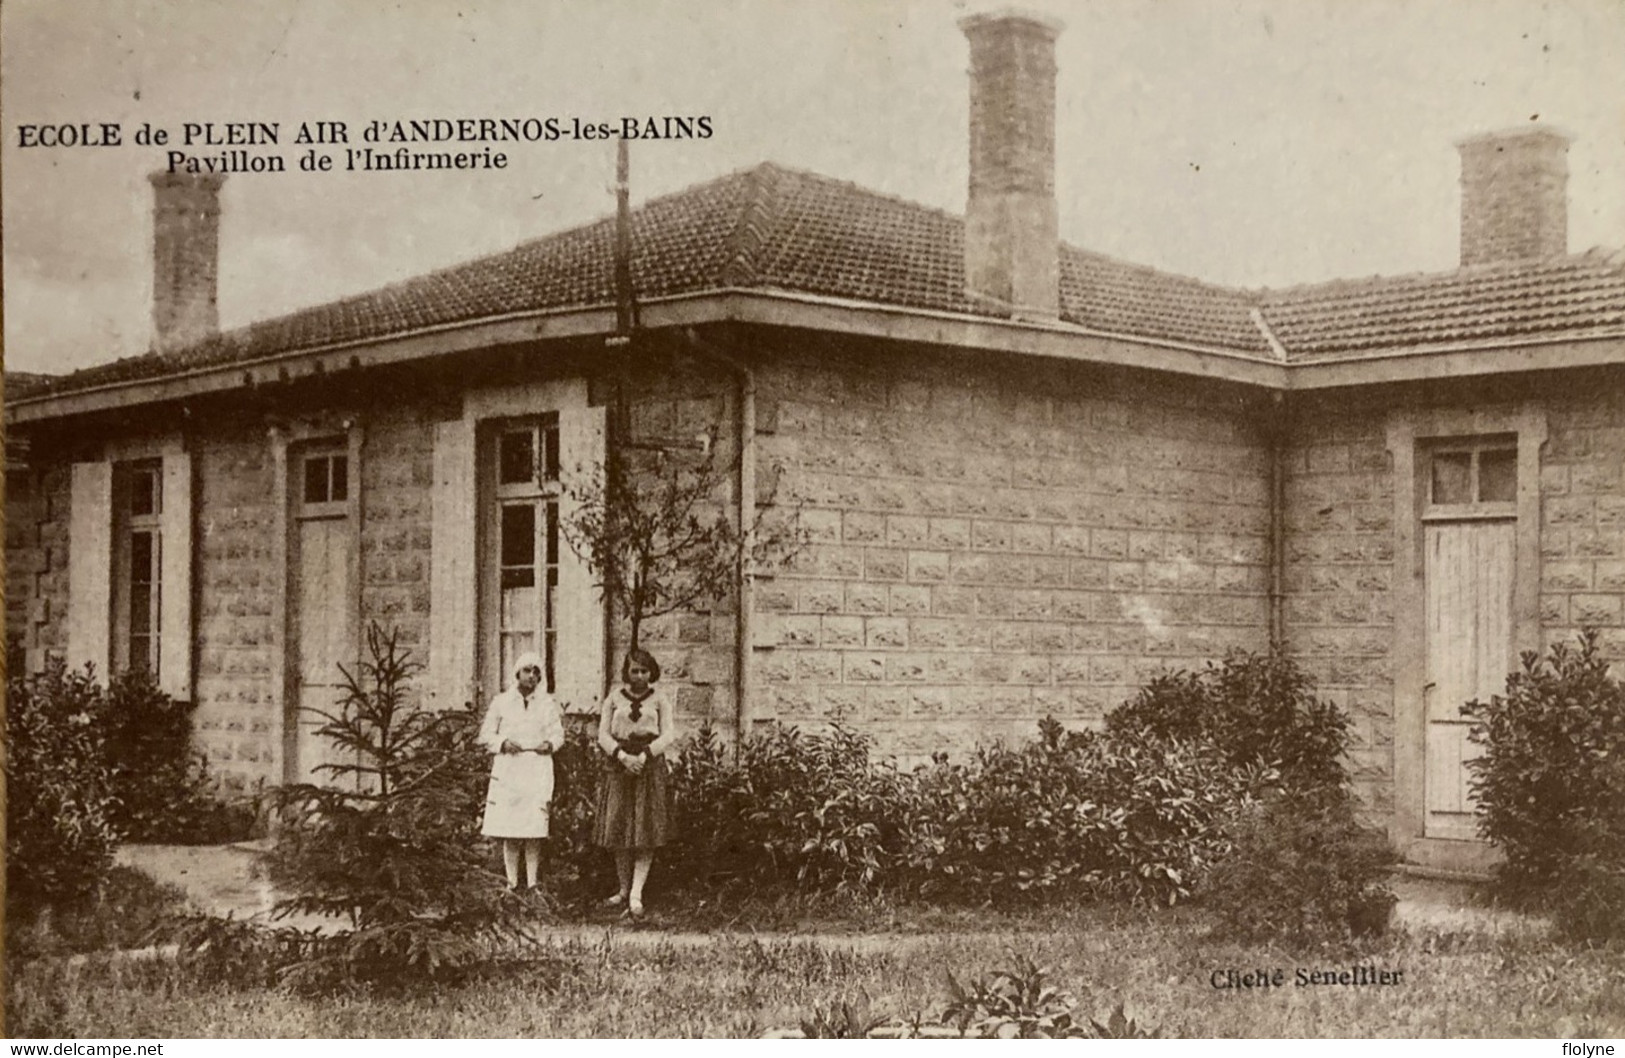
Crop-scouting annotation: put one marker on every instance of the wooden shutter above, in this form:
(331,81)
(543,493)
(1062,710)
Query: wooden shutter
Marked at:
(90,567)
(453,605)
(579,670)
(175,579)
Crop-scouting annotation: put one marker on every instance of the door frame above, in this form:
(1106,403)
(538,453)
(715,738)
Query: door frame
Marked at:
(287,439)
(1411,432)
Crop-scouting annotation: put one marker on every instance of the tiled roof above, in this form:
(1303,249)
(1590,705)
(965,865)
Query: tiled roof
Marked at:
(1566,297)
(771,228)
(766,228)
(25,383)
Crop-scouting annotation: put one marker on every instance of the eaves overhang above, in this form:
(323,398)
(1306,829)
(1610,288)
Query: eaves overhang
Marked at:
(751,306)
(790,309)
(1466,360)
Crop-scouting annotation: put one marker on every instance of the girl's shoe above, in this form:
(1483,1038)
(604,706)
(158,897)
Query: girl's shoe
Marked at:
(615,901)
(635,908)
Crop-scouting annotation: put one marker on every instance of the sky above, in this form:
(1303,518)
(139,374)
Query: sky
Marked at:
(1247,142)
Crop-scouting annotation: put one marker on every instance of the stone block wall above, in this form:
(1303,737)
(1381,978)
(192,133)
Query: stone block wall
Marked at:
(993,541)
(1340,541)
(1582,532)
(672,403)
(36,523)
(397,478)
(1338,577)
(236,646)
(989,541)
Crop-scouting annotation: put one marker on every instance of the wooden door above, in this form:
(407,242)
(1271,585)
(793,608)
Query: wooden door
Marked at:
(322,614)
(1469,577)
(322,643)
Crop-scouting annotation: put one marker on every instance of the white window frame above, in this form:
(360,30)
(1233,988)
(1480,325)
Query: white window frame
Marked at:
(541,492)
(98,561)
(129,480)
(461,662)
(1475,507)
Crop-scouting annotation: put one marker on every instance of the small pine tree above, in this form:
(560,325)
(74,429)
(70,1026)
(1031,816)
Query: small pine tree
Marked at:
(392,844)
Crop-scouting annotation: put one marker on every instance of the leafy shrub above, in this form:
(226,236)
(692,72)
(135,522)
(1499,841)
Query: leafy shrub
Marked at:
(1551,744)
(392,845)
(1141,811)
(163,791)
(1078,813)
(814,812)
(1257,709)
(1303,869)
(1588,899)
(1301,866)
(59,807)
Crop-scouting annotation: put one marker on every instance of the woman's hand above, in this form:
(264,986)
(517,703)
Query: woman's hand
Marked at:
(510,746)
(632,762)
(545,748)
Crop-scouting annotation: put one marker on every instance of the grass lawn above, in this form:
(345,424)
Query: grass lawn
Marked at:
(649,983)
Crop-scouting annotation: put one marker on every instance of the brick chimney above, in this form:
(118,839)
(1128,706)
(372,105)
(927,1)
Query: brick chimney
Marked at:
(1514,195)
(1011,231)
(185,258)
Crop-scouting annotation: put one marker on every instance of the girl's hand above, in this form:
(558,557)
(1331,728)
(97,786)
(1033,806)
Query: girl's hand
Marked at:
(545,748)
(510,746)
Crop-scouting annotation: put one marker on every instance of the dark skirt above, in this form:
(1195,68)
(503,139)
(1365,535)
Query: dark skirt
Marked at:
(634,811)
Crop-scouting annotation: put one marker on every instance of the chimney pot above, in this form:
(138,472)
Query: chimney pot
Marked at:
(1514,195)
(185,258)
(1011,228)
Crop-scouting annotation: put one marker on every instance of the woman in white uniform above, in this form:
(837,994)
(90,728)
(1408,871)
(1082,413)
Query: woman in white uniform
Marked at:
(522,728)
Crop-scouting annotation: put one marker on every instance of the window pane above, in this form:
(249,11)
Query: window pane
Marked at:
(519,608)
(144,492)
(141,558)
(516,460)
(1498,476)
(519,577)
(1452,481)
(316,479)
(339,479)
(519,535)
(550,431)
(141,653)
(140,611)
(552,534)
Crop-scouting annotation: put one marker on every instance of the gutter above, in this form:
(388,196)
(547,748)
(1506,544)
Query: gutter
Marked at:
(1278,433)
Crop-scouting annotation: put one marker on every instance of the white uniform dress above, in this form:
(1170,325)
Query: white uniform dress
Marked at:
(516,805)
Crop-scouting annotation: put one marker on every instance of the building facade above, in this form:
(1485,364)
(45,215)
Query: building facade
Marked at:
(1030,477)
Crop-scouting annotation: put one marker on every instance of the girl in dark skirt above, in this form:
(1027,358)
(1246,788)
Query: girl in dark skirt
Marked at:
(635,729)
